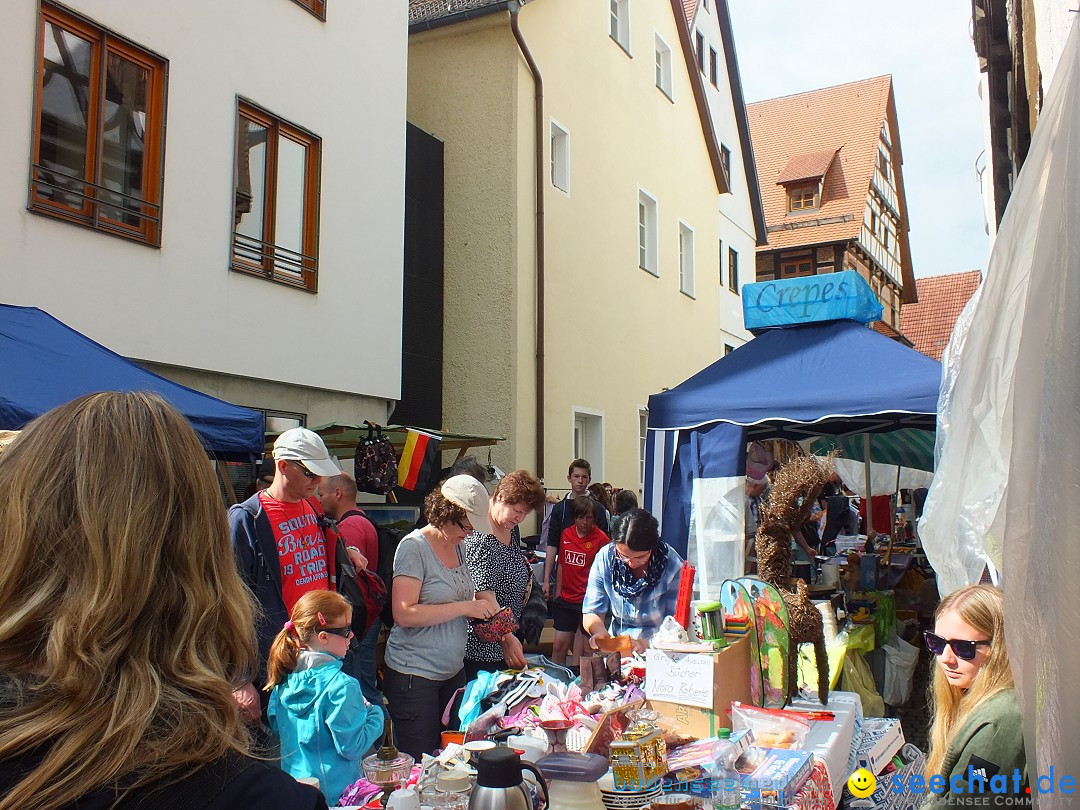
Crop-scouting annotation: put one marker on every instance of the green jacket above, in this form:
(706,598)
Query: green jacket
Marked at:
(991,740)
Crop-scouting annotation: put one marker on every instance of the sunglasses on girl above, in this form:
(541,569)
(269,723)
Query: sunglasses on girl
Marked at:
(344,632)
(963,649)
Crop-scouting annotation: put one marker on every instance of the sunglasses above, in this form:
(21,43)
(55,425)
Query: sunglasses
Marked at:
(963,649)
(344,632)
(307,473)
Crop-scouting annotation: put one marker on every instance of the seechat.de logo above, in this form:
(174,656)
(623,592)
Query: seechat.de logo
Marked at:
(862,783)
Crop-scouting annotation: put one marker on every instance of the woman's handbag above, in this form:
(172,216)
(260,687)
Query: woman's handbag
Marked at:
(534,613)
(375,465)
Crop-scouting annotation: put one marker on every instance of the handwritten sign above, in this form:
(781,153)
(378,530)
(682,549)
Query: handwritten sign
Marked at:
(684,678)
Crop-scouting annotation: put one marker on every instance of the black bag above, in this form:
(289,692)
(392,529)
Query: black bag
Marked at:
(364,590)
(384,567)
(375,463)
(534,613)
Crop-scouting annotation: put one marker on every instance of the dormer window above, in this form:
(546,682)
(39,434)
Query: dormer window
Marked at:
(804,198)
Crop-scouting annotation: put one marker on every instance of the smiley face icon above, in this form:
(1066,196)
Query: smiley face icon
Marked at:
(861,783)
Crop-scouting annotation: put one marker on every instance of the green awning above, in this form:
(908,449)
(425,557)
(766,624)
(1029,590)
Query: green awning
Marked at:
(905,448)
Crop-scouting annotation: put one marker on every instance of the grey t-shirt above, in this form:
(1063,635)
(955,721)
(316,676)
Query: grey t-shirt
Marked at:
(435,652)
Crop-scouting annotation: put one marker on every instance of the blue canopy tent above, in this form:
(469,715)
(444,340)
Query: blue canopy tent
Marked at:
(45,363)
(836,378)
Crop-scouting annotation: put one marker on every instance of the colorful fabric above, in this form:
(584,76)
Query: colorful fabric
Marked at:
(576,555)
(419,460)
(301,547)
(628,585)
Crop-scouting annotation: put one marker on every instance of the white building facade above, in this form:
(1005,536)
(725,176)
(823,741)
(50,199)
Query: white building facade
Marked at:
(215,191)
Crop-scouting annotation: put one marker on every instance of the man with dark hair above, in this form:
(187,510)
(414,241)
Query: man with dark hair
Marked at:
(579,475)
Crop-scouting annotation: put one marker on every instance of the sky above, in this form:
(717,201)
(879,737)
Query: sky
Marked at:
(791,46)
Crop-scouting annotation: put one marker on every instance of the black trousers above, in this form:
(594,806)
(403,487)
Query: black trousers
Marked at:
(416,706)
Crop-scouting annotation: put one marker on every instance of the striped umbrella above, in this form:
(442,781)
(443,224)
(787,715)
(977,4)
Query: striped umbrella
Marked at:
(909,447)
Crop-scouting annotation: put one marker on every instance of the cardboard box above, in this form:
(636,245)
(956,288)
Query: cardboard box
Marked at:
(884,797)
(882,737)
(701,701)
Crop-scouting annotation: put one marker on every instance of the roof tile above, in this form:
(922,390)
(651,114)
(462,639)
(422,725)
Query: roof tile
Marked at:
(929,323)
(848,116)
(811,166)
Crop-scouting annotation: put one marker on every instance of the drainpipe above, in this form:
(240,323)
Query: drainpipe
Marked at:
(538,115)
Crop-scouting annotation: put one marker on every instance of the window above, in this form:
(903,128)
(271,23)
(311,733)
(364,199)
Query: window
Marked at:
(620,23)
(647,258)
(705,3)
(720,262)
(712,66)
(643,435)
(725,161)
(803,198)
(589,439)
(733,270)
(699,44)
(560,157)
(728,349)
(99,129)
(663,67)
(686,259)
(789,268)
(275,213)
(316,7)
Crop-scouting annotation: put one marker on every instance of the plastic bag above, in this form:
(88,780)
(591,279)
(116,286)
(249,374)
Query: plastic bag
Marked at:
(900,661)
(773,728)
(858,678)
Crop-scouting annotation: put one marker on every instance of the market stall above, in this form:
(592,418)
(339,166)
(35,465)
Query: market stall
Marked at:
(47,363)
(824,373)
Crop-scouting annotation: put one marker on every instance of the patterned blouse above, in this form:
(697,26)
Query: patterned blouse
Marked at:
(502,569)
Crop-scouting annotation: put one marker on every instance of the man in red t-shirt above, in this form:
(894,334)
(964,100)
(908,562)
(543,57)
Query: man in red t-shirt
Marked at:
(281,551)
(337,495)
(578,546)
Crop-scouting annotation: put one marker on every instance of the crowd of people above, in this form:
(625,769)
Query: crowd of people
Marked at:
(150,642)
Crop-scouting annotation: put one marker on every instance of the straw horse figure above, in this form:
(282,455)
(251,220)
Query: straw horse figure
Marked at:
(795,488)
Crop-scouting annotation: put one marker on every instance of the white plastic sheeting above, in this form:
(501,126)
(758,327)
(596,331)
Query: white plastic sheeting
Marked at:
(1007,486)
(883,477)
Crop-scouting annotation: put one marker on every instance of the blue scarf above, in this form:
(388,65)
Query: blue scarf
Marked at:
(629,586)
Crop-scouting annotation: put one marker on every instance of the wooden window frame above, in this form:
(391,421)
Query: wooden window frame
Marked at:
(95,195)
(733,270)
(309,258)
(790,268)
(316,7)
(798,200)
(713,68)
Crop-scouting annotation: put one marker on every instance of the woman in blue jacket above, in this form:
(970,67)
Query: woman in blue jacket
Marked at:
(325,723)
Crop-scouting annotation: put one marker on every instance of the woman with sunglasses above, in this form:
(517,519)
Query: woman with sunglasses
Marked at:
(633,584)
(977,720)
(325,724)
(433,597)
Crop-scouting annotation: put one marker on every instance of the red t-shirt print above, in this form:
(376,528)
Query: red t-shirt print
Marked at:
(301,548)
(576,555)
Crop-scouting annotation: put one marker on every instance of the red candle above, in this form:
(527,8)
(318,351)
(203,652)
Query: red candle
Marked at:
(686,590)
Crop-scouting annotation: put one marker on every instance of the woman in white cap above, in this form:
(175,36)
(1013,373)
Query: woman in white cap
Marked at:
(433,597)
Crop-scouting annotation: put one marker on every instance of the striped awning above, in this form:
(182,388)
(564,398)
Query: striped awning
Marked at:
(905,448)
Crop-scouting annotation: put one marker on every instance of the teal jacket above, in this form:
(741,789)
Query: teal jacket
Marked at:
(991,740)
(325,724)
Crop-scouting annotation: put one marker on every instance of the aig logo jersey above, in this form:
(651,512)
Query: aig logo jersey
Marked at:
(576,555)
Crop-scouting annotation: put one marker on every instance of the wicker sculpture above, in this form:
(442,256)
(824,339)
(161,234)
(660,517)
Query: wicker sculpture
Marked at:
(795,488)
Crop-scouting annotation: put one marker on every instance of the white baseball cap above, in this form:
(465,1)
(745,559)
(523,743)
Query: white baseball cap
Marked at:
(468,493)
(305,446)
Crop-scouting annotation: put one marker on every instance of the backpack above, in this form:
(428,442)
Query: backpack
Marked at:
(388,543)
(375,462)
(365,591)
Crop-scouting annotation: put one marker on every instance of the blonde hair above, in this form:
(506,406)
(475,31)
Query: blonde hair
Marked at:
(304,624)
(982,607)
(124,627)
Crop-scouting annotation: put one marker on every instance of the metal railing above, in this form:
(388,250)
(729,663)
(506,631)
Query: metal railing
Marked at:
(280,263)
(50,187)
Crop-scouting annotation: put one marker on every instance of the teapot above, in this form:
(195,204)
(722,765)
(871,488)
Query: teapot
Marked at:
(499,783)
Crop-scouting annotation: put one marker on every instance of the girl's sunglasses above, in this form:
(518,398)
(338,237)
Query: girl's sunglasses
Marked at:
(344,632)
(963,649)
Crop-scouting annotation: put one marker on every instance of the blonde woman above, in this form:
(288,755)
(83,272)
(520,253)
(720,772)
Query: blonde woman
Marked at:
(977,720)
(124,627)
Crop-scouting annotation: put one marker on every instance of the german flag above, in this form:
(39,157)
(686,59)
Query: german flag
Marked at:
(419,460)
